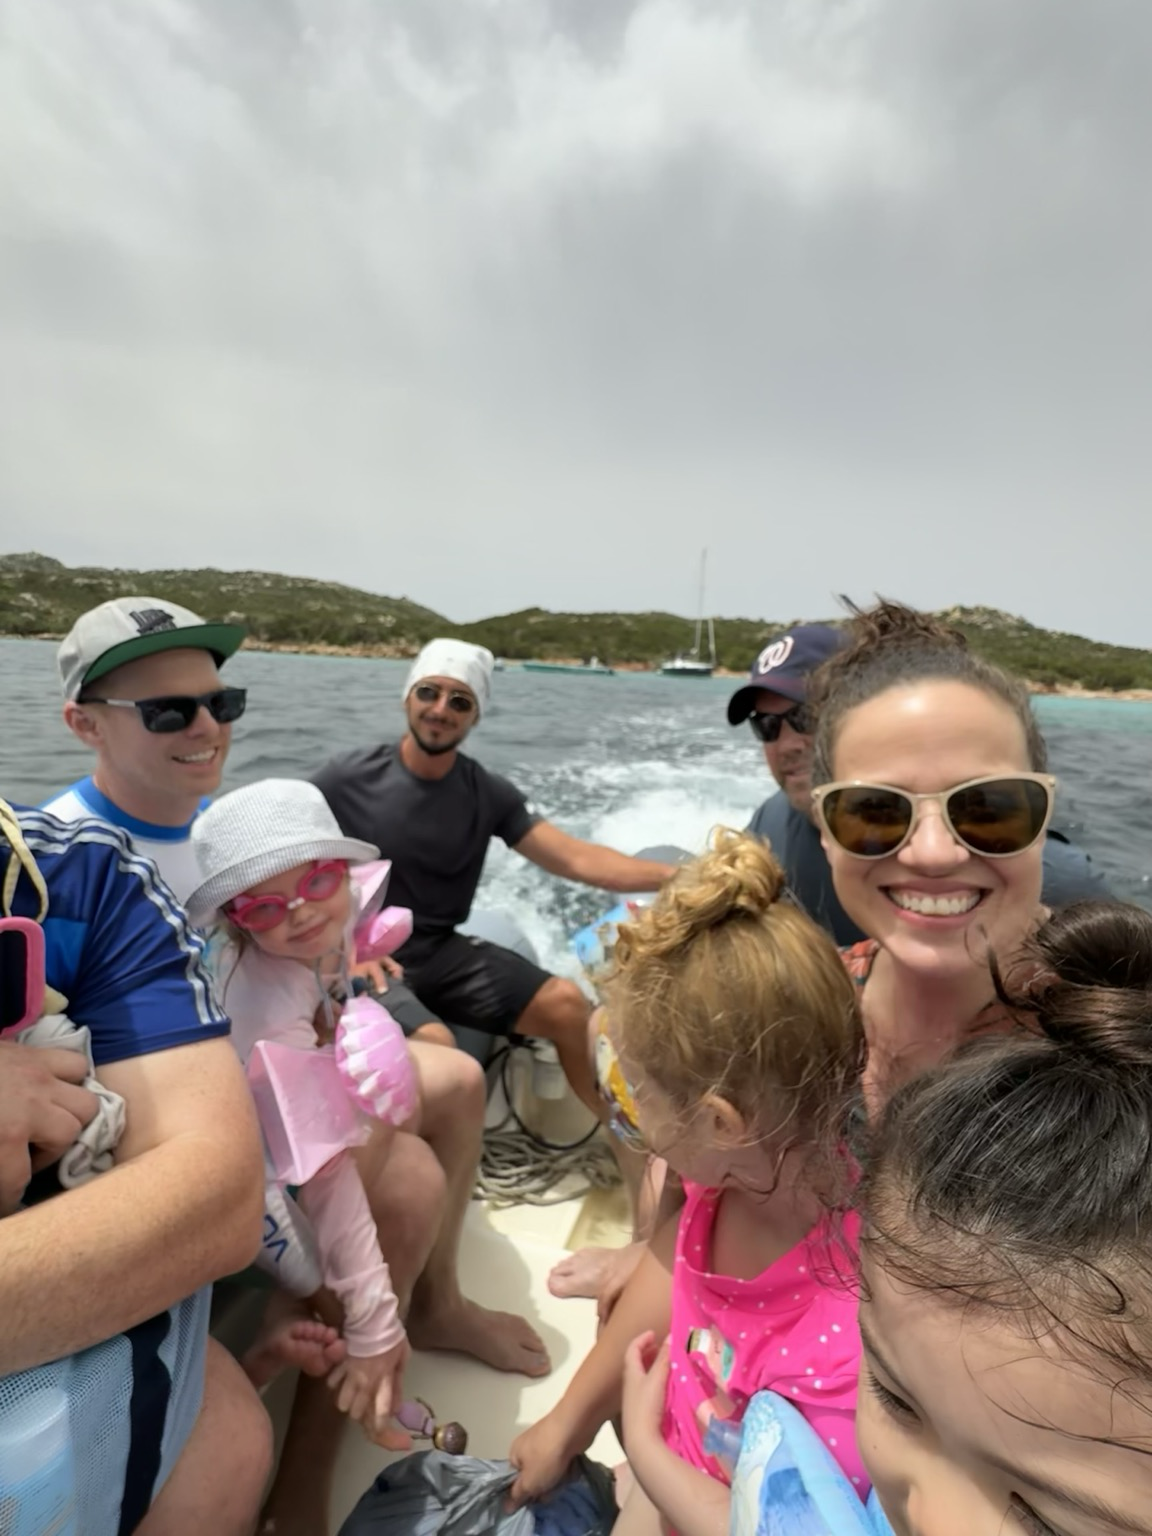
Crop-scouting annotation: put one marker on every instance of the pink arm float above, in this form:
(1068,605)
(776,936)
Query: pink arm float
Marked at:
(379,930)
(314,1104)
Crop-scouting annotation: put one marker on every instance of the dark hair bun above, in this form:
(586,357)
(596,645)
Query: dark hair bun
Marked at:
(1086,982)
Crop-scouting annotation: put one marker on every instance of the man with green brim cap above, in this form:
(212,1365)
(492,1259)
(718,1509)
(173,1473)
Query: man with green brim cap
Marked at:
(142,689)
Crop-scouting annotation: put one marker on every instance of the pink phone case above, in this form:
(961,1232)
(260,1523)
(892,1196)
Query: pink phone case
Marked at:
(34,983)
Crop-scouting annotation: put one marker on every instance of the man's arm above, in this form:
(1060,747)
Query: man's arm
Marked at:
(590,863)
(182,1207)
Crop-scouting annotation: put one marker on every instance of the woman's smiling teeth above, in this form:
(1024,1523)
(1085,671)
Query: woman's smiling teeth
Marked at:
(953,905)
(198,757)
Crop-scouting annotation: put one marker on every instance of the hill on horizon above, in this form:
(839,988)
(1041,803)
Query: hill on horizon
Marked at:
(42,597)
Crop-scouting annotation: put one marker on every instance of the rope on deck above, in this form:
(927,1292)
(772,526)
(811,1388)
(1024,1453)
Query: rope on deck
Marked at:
(518,1167)
(515,1169)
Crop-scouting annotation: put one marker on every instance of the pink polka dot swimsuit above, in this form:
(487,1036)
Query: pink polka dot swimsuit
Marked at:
(791,1330)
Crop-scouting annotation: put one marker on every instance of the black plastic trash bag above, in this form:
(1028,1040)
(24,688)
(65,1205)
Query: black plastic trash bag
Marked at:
(434,1494)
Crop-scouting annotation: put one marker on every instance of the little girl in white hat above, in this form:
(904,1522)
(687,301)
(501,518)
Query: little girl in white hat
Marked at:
(277,887)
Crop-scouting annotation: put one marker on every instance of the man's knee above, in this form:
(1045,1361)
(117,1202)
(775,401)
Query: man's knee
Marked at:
(433,1033)
(218,1483)
(468,1087)
(452,1087)
(559,1012)
(412,1187)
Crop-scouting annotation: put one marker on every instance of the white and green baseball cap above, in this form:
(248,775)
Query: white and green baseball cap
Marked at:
(127,628)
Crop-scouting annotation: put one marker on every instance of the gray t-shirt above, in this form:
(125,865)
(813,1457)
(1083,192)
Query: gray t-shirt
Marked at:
(435,831)
(1069,874)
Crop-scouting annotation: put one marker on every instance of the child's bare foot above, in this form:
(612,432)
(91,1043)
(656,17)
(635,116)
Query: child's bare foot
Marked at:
(499,1339)
(592,1271)
(292,1340)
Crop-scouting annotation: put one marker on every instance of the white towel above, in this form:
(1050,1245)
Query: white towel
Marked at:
(91,1153)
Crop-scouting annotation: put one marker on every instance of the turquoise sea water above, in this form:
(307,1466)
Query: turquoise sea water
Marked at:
(631,760)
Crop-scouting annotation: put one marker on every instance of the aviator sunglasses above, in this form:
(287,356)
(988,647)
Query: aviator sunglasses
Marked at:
(260,914)
(176,712)
(460,703)
(993,817)
(767,726)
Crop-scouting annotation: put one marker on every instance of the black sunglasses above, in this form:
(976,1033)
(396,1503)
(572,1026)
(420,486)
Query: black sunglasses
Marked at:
(176,712)
(767,725)
(461,703)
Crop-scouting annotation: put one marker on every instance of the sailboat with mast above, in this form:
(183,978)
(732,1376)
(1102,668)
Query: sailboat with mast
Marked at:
(692,663)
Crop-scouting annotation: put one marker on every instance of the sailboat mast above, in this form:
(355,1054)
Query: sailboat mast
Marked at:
(700,602)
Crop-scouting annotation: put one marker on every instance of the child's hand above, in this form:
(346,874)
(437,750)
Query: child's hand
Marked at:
(541,1456)
(645,1385)
(369,1388)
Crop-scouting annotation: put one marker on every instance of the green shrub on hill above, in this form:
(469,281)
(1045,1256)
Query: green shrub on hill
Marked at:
(40,596)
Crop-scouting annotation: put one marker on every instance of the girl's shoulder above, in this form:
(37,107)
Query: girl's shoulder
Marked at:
(859,959)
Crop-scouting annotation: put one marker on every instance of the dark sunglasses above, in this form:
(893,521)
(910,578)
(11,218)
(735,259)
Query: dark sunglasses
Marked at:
(995,817)
(461,703)
(767,726)
(176,713)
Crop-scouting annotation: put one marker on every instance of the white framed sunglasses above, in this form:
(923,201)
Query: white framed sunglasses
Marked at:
(996,817)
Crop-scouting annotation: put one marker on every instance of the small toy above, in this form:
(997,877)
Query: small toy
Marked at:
(419,1420)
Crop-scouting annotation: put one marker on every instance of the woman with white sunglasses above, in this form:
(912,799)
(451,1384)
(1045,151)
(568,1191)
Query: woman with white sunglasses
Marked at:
(932,796)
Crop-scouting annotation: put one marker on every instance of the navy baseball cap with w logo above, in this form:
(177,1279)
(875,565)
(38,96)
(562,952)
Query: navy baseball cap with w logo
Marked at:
(783,667)
(130,627)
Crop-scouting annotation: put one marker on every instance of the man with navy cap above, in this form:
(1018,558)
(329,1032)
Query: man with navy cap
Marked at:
(773,703)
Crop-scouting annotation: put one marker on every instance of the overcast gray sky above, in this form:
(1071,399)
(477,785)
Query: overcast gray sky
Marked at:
(494,303)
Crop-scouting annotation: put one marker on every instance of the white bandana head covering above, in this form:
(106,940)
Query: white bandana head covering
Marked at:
(464,663)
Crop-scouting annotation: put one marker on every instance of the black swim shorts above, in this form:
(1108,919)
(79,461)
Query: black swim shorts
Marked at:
(465,981)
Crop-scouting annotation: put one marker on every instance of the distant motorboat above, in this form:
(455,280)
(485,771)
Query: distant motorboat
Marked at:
(692,663)
(595,666)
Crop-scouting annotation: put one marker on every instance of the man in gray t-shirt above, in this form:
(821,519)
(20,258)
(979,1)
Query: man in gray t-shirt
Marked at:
(772,701)
(433,810)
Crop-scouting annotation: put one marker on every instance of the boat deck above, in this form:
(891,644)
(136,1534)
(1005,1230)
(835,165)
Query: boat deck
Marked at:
(505,1259)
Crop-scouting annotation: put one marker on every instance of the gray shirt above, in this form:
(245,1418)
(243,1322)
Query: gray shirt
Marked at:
(435,831)
(1069,874)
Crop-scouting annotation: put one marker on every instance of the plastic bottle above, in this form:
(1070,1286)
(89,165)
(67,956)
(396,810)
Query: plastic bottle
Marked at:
(548,1079)
(37,1475)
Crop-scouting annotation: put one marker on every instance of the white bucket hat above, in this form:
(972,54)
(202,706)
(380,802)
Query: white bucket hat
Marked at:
(460,660)
(262,830)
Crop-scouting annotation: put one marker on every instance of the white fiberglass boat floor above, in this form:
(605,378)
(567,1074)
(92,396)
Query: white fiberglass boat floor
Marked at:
(505,1259)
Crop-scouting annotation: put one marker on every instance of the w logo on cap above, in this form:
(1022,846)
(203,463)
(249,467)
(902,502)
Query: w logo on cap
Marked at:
(150,621)
(774,655)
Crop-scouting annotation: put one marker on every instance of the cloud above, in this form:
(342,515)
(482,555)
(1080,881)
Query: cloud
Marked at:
(523,302)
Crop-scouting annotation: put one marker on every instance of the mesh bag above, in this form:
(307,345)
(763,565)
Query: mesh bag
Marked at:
(99,1383)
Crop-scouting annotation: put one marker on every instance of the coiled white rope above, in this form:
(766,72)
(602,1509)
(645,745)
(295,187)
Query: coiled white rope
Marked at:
(519,1167)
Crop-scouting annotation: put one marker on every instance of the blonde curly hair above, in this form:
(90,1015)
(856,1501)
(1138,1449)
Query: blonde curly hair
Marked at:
(723,985)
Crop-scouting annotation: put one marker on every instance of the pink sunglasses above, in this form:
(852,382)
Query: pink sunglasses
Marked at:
(260,914)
